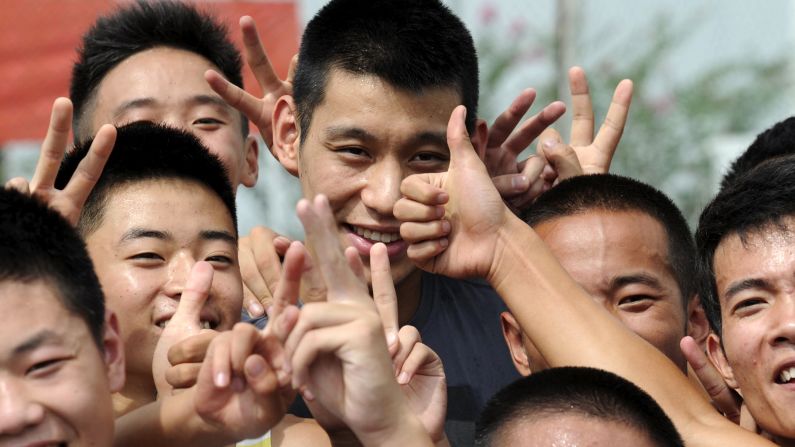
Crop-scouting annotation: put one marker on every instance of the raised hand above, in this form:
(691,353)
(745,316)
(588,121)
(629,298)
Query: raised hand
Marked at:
(516,180)
(258,110)
(70,200)
(260,256)
(337,350)
(474,210)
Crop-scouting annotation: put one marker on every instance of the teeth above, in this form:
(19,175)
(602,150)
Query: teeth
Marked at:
(205,325)
(377,236)
(163,323)
(787,375)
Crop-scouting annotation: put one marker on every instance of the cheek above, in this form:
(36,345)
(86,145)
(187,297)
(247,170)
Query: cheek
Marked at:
(743,347)
(229,290)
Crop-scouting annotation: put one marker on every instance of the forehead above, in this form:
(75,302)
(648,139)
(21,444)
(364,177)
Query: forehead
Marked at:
(30,307)
(371,103)
(572,429)
(612,241)
(765,253)
(176,205)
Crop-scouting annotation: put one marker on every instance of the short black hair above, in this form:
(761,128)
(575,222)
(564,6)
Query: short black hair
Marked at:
(584,391)
(147,151)
(612,192)
(140,26)
(411,44)
(755,201)
(777,141)
(38,244)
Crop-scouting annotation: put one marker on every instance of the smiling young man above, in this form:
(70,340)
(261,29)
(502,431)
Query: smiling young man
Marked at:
(60,353)
(162,204)
(146,62)
(374,87)
(630,248)
(746,247)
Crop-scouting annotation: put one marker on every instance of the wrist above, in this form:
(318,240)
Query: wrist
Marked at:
(404,429)
(511,236)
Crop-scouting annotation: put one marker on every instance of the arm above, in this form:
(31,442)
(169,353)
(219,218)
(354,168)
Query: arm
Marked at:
(546,301)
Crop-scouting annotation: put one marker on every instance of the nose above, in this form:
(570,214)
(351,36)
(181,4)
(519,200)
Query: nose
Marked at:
(18,411)
(178,272)
(782,330)
(382,190)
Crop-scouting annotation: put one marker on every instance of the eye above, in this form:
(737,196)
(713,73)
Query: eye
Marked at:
(45,367)
(208,123)
(220,260)
(636,303)
(749,306)
(353,150)
(430,157)
(146,258)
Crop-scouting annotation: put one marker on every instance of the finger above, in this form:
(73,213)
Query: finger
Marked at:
(194,295)
(253,280)
(409,336)
(415,232)
(318,315)
(514,185)
(322,239)
(90,167)
(409,210)
(421,358)
(260,376)
(219,361)
(384,294)
(507,121)
(422,252)
(582,121)
(270,343)
(417,187)
(563,159)
(19,184)
(244,336)
(257,59)
(536,188)
(613,127)
(291,70)
(356,264)
(533,127)
(54,145)
(313,287)
(183,375)
(237,98)
(289,286)
(722,396)
(192,349)
(325,340)
(461,150)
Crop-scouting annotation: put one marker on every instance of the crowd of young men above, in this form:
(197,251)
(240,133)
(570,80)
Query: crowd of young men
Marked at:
(438,268)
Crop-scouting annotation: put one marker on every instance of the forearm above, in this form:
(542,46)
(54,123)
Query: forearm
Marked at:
(570,328)
(168,422)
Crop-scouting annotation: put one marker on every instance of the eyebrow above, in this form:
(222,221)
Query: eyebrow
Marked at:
(43,337)
(150,101)
(746,284)
(216,235)
(141,233)
(429,138)
(638,278)
(356,133)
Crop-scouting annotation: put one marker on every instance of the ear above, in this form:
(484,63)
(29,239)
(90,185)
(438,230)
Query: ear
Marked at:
(697,324)
(718,359)
(114,352)
(513,338)
(480,137)
(286,134)
(251,169)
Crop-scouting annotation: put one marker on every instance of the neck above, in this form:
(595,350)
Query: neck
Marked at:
(137,392)
(408,295)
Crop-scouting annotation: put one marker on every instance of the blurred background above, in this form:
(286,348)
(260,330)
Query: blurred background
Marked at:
(708,75)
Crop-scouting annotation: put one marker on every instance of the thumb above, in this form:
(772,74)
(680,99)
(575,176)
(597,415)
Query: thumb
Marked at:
(460,145)
(562,158)
(195,294)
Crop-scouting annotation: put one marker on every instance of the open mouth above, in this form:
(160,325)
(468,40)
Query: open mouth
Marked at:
(205,324)
(787,375)
(375,236)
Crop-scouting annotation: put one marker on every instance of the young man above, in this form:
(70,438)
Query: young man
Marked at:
(566,325)
(146,62)
(60,352)
(745,248)
(161,204)
(630,248)
(574,406)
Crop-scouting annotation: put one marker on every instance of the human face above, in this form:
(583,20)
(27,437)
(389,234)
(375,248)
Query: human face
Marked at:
(365,138)
(621,260)
(151,235)
(166,85)
(55,383)
(756,289)
(570,429)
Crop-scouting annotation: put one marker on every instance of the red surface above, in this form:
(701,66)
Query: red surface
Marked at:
(38,40)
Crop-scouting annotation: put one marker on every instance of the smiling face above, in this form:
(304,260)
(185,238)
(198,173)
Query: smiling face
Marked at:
(756,288)
(364,139)
(55,383)
(151,234)
(621,260)
(166,85)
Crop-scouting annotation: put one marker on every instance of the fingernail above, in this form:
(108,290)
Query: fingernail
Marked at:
(446,226)
(550,144)
(439,211)
(519,182)
(256,309)
(403,378)
(255,369)
(221,380)
(444,242)
(282,240)
(442,197)
(283,377)
(391,339)
(307,394)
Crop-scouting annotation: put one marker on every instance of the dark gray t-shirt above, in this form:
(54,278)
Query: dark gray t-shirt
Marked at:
(460,321)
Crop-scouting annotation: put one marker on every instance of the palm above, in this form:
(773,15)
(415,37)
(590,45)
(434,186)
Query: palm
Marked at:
(427,396)
(243,412)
